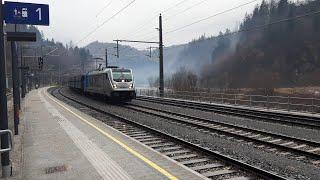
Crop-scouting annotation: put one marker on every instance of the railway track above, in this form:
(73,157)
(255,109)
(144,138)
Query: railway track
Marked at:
(208,163)
(288,145)
(288,119)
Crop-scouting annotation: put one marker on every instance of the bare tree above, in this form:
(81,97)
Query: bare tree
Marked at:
(183,80)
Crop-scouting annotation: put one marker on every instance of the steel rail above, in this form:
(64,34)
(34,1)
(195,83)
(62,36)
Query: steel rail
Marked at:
(288,119)
(201,126)
(240,164)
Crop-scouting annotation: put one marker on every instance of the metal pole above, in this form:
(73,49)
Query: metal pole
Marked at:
(15,86)
(150,53)
(59,74)
(23,83)
(106,58)
(161,57)
(117,49)
(18,72)
(5,161)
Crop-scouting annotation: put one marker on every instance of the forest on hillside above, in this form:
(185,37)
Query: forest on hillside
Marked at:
(65,59)
(276,45)
(274,48)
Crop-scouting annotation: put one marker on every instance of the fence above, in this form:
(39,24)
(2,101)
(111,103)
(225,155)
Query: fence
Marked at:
(287,103)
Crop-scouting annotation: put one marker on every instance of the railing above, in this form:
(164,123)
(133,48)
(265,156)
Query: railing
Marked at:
(287,103)
(3,132)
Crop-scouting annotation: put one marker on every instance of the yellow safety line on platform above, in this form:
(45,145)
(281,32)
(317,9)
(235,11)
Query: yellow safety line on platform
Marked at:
(135,153)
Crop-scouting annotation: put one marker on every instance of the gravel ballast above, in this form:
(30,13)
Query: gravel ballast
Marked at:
(244,151)
(299,132)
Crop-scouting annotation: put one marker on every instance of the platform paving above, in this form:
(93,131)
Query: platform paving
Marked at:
(60,142)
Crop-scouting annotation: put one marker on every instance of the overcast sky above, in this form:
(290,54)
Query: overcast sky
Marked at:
(72,20)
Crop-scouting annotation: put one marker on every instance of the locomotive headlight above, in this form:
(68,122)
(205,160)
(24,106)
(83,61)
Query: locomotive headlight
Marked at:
(115,86)
(131,86)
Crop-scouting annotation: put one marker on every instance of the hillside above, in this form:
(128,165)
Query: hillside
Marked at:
(129,57)
(285,54)
(193,55)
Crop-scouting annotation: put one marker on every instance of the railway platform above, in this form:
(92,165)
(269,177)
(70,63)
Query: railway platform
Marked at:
(60,142)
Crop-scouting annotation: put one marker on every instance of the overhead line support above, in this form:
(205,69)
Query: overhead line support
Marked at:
(150,51)
(160,43)
(161,78)
(147,42)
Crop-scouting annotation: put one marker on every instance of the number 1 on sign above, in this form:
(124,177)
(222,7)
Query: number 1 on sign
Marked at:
(39,12)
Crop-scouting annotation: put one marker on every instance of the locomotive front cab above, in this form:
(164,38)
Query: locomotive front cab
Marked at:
(122,79)
(123,83)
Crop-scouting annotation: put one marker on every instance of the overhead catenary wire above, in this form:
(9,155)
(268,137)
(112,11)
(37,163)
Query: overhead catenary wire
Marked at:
(209,17)
(131,48)
(255,28)
(275,22)
(185,10)
(262,27)
(105,7)
(214,15)
(175,5)
(145,34)
(104,22)
(141,27)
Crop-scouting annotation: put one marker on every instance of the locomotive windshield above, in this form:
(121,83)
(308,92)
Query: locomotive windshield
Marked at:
(120,75)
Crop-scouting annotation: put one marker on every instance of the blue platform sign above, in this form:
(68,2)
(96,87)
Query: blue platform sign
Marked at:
(26,13)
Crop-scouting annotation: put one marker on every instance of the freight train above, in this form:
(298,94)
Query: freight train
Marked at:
(111,82)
